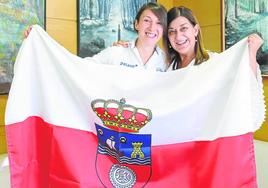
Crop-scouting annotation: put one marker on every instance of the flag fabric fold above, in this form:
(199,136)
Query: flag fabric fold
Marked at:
(74,123)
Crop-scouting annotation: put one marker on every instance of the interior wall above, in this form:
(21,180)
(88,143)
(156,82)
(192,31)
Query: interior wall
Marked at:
(61,22)
(3,100)
(167,4)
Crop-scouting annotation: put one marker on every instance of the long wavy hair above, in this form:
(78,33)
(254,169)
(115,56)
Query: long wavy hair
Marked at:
(201,54)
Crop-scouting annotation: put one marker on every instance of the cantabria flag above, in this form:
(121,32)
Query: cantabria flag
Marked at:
(72,123)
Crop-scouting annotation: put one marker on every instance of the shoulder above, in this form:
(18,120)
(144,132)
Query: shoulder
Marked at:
(161,56)
(212,54)
(159,51)
(159,59)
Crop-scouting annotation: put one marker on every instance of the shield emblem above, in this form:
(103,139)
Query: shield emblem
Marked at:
(123,159)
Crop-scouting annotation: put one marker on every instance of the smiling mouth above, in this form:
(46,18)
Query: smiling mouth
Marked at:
(181,42)
(151,35)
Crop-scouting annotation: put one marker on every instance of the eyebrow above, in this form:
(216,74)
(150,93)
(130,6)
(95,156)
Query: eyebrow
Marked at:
(147,17)
(179,25)
(184,24)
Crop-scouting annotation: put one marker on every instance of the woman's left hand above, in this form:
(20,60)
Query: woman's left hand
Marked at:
(254,43)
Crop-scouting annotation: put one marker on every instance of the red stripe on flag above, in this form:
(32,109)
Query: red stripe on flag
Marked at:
(48,156)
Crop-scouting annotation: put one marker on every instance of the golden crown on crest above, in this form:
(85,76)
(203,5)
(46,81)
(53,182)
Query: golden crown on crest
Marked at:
(120,116)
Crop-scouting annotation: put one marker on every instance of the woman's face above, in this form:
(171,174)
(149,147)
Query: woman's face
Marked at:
(149,28)
(181,34)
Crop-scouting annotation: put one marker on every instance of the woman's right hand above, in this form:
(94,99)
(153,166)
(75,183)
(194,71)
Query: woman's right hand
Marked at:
(27,32)
(122,43)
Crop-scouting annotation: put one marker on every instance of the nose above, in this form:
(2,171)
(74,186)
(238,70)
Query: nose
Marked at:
(177,34)
(154,25)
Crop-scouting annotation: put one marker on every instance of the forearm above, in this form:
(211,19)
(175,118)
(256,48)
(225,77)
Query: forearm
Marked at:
(253,63)
(254,43)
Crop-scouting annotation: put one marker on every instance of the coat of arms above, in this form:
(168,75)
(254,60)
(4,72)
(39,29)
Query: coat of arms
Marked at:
(123,156)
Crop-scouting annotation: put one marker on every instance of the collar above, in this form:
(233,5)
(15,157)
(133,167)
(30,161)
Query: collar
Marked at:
(132,44)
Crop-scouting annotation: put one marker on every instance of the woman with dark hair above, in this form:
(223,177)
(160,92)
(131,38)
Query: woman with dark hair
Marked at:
(184,40)
(143,53)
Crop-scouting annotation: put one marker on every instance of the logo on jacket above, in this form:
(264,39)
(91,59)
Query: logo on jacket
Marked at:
(123,156)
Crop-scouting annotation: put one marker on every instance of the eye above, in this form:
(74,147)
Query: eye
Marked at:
(172,32)
(146,20)
(184,28)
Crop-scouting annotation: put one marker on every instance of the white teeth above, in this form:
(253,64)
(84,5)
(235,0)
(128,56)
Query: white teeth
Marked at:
(150,34)
(181,42)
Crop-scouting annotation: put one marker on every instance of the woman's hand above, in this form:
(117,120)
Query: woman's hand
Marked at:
(27,32)
(254,43)
(122,43)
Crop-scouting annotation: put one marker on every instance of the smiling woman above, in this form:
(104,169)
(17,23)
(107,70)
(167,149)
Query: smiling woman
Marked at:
(184,38)
(143,53)
(101,22)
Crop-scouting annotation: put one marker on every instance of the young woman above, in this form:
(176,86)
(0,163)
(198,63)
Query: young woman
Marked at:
(143,53)
(150,25)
